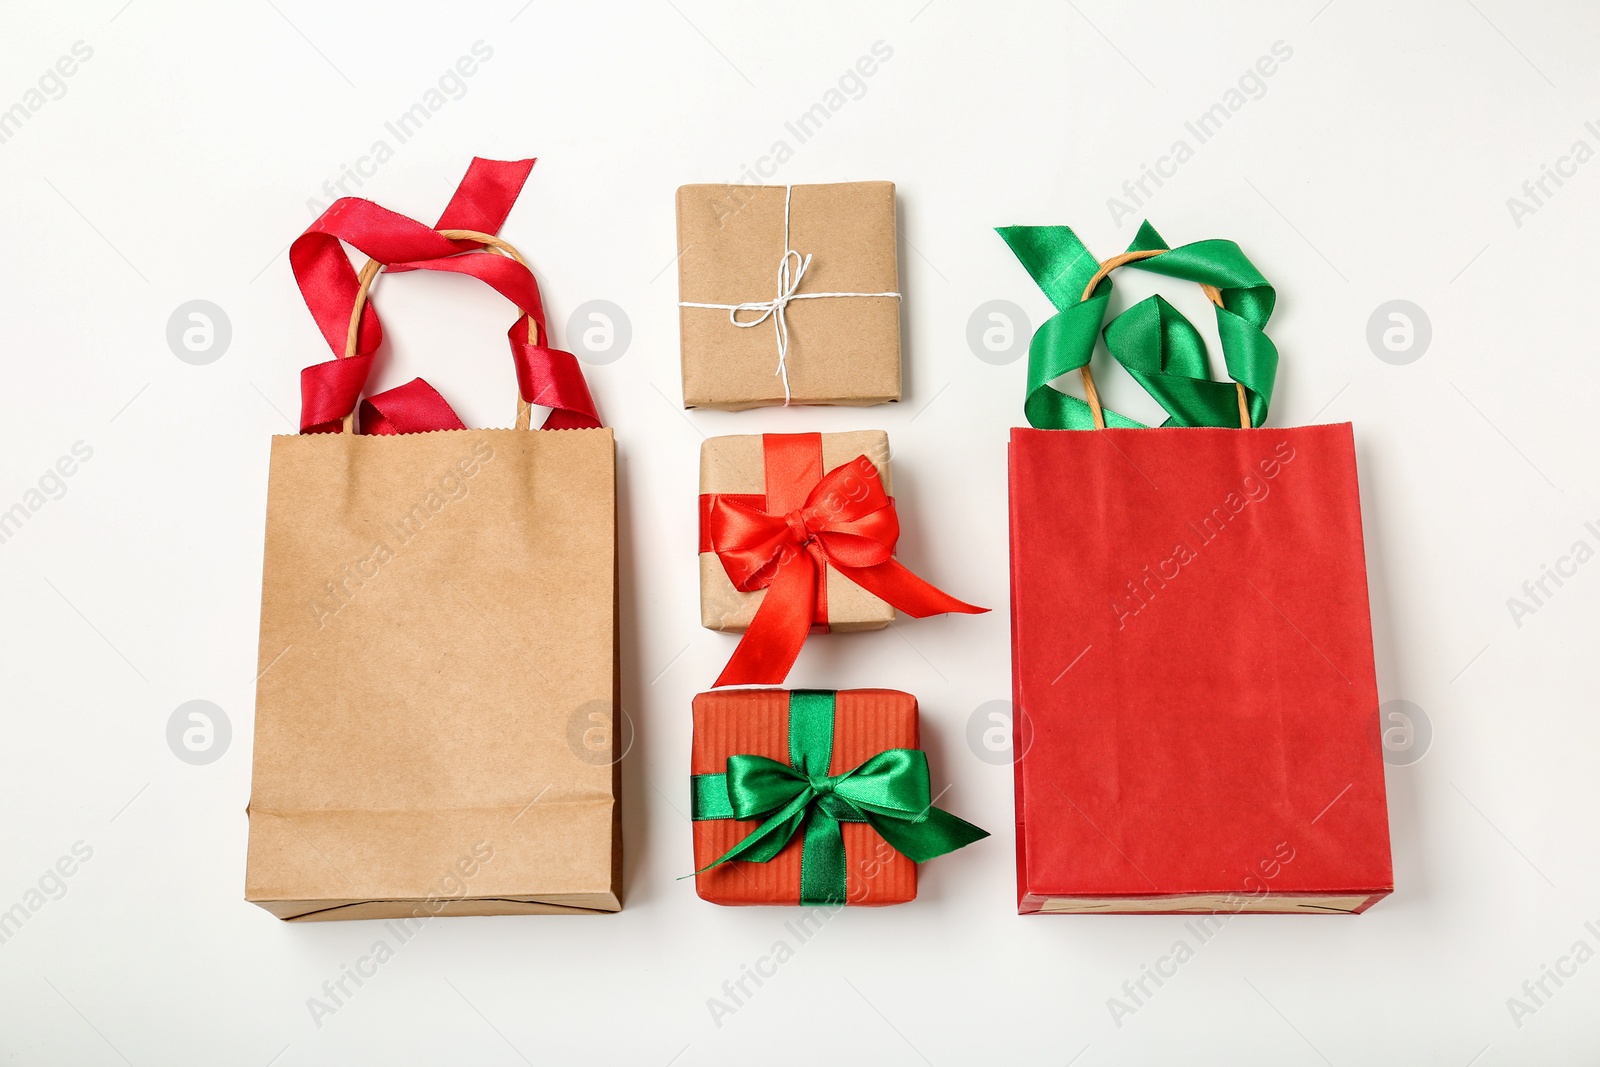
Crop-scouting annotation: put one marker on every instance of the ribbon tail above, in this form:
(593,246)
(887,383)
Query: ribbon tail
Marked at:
(484,198)
(893,583)
(923,840)
(771,643)
(822,870)
(770,838)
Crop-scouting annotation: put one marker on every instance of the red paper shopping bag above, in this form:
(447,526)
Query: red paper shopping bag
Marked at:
(1196,724)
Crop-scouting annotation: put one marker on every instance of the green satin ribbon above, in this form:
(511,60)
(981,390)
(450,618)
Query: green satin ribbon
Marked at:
(890,792)
(1158,346)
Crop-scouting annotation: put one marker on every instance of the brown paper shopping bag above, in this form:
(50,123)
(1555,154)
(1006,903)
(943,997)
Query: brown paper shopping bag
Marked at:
(438,662)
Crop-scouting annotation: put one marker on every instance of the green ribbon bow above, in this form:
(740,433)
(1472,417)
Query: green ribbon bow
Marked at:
(890,792)
(1158,346)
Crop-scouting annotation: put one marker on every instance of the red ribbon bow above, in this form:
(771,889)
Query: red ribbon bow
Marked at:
(847,522)
(329,391)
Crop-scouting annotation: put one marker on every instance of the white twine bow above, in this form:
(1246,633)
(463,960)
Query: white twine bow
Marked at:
(792,268)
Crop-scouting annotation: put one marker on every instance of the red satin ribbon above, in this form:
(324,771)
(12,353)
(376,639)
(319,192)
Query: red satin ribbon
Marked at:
(406,407)
(329,391)
(846,521)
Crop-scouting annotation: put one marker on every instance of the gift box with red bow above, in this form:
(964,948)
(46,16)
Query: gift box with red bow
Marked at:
(797,536)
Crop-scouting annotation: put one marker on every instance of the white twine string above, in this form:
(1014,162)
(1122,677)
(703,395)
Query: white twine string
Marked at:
(791,271)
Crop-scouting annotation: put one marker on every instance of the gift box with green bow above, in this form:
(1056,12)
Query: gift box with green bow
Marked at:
(813,797)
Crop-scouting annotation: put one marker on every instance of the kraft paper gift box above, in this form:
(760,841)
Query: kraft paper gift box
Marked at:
(791,545)
(749,245)
(437,682)
(1196,722)
(819,859)
(736,466)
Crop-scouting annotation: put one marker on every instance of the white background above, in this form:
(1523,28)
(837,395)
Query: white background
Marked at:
(1376,165)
